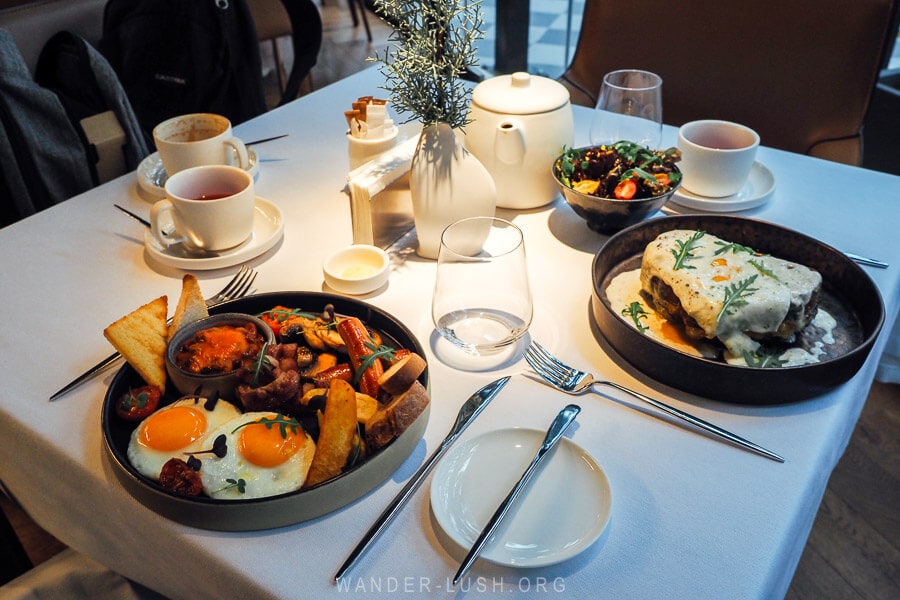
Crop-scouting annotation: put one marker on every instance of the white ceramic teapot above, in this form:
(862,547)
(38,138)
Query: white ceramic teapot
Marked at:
(520,123)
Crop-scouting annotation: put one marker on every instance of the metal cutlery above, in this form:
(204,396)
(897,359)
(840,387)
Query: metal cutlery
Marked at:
(574,382)
(179,249)
(872,262)
(134,216)
(238,287)
(471,409)
(264,140)
(557,428)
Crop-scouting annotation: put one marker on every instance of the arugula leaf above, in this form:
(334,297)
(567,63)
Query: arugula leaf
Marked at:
(735,296)
(732,247)
(636,312)
(763,359)
(284,423)
(762,269)
(261,365)
(367,361)
(682,253)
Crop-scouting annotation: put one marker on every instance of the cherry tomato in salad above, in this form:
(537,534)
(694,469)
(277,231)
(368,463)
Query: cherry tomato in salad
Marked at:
(138,403)
(626,189)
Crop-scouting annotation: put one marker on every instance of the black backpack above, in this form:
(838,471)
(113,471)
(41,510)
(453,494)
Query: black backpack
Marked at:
(178,57)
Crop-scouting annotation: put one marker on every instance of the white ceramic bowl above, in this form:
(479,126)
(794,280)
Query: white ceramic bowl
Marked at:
(357,269)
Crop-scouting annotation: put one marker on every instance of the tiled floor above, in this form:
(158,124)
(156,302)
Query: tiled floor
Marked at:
(552,34)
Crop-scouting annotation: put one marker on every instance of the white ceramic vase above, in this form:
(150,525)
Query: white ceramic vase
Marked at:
(447,183)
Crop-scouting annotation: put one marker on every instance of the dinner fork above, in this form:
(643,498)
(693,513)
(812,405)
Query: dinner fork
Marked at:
(574,382)
(239,286)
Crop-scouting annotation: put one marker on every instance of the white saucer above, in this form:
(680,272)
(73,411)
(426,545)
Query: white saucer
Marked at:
(268,229)
(151,176)
(756,192)
(561,512)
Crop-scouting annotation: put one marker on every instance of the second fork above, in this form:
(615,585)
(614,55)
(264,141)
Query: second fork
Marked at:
(574,382)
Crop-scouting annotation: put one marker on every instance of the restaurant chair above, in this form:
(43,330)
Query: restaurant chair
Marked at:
(358,13)
(299,19)
(800,74)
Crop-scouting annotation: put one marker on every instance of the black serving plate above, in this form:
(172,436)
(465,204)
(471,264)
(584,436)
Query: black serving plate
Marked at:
(284,509)
(846,287)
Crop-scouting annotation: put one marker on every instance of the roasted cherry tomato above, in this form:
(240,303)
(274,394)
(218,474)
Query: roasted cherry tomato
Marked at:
(275,317)
(137,404)
(178,476)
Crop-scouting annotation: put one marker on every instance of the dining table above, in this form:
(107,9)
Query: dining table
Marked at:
(690,516)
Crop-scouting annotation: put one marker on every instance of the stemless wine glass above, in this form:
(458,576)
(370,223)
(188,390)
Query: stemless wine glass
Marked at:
(482,299)
(629,108)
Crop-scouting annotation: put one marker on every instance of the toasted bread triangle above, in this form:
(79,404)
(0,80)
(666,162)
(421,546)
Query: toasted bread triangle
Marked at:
(141,337)
(191,305)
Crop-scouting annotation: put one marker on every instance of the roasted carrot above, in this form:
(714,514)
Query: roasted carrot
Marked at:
(367,371)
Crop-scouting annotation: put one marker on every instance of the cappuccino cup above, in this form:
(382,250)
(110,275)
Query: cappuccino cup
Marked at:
(198,139)
(207,208)
(716,157)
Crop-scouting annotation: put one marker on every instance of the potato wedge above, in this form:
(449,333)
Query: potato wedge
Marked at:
(337,430)
(366,406)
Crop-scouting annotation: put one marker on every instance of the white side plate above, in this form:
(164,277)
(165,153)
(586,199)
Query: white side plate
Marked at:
(268,229)
(756,192)
(561,512)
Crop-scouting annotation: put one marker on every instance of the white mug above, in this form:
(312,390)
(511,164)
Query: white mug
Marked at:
(208,208)
(198,139)
(716,157)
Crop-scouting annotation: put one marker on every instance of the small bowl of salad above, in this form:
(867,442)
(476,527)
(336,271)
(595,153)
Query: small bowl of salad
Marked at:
(613,186)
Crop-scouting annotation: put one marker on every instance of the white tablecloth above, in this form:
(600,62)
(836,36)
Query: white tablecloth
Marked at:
(691,517)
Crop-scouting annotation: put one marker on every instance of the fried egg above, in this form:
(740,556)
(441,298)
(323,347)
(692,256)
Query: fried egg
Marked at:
(266,454)
(174,430)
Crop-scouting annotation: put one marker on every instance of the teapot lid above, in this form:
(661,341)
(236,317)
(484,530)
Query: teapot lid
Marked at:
(520,94)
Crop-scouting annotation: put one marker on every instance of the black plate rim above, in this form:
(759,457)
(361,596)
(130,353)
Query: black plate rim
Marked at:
(638,349)
(238,515)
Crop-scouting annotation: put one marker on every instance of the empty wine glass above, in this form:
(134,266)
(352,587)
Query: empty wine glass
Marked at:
(629,108)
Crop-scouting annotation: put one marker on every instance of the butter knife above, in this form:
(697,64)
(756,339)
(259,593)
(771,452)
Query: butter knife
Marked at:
(471,409)
(562,421)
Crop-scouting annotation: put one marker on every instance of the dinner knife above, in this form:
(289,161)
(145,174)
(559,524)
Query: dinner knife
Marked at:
(471,409)
(558,427)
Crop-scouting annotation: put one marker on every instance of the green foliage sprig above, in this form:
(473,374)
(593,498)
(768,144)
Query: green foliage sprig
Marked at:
(385,352)
(636,312)
(735,296)
(763,359)
(435,45)
(683,251)
(283,422)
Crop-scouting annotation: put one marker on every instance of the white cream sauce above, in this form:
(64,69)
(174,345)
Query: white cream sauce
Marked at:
(625,288)
(711,270)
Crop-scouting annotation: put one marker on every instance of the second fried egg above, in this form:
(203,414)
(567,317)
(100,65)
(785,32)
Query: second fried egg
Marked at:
(266,454)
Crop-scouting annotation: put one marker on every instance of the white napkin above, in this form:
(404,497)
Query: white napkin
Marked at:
(366,181)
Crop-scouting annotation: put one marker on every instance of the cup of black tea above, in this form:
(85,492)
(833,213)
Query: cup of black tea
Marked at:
(207,208)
